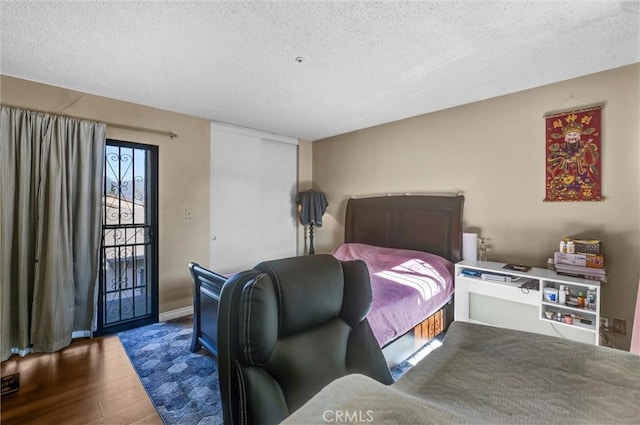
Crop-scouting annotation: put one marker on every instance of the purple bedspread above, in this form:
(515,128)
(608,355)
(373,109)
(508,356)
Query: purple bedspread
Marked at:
(408,286)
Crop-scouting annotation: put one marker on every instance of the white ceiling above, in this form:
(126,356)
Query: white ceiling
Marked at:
(365,63)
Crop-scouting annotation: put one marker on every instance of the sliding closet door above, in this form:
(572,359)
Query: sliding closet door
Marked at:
(253,187)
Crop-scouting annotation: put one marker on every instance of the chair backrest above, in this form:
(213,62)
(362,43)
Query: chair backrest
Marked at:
(289,327)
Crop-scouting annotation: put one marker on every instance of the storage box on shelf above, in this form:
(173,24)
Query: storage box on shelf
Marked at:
(516,300)
(590,261)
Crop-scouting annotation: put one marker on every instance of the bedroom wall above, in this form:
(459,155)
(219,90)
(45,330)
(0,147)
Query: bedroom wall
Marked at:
(183,171)
(493,152)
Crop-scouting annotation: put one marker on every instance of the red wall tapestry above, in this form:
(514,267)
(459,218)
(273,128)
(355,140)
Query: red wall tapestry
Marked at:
(573,155)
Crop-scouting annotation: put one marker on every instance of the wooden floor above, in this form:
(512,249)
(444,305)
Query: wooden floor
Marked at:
(90,382)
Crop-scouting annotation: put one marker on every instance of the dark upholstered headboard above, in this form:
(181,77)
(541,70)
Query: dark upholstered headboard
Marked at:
(423,223)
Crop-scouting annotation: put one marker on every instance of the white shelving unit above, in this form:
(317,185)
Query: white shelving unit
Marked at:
(506,304)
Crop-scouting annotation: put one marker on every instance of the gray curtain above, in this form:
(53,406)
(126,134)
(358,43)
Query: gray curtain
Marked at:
(50,224)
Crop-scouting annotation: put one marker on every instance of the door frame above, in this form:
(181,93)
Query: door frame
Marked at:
(152,193)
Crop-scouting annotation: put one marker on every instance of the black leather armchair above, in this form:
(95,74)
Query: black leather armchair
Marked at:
(289,327)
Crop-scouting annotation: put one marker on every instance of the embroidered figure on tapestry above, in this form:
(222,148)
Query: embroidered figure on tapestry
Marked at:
(573,156)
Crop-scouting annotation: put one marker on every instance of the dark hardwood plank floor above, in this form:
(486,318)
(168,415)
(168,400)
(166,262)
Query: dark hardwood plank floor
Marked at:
(90,382)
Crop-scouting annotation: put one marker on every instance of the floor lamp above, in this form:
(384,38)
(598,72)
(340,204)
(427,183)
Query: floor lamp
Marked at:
(312,205)
(311,250)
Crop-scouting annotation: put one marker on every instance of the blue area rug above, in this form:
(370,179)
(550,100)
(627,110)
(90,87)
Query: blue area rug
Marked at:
(183,385)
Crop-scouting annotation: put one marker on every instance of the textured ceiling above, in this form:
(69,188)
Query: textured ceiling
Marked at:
(365,63)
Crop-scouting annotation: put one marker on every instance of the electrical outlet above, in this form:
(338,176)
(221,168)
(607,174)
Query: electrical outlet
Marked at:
(619,326)
(604,322)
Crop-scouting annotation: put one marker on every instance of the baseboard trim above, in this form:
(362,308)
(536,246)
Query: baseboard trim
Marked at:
(175,314)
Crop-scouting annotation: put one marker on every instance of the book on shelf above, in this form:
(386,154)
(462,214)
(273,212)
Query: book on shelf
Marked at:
(581,269)
(583,276)
(599,275)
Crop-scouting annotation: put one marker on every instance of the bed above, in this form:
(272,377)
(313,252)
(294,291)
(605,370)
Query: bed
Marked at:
(409,243)
(206,296)
(419,227)
(488,375)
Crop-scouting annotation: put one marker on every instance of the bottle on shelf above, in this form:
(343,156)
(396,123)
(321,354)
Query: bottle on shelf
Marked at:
(563,246)
(571,247)
(550,264)
(562,295)
(483,250)
(581,300)
(591,299)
